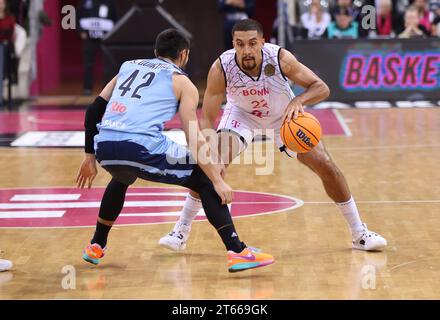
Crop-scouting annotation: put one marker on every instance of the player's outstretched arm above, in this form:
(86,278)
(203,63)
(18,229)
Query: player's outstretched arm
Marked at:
(188,96)
(316,89)
(214,96)
(107,92)
(88,171)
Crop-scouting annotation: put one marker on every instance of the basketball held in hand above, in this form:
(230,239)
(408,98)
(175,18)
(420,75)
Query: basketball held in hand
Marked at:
(302,134)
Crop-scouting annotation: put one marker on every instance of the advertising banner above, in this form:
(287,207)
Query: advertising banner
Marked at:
(376,69)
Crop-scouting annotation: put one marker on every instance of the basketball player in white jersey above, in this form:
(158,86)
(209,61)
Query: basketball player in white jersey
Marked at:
(255,76)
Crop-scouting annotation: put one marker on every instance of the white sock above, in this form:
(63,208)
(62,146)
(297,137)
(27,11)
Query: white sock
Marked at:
(350,212)
(190,209)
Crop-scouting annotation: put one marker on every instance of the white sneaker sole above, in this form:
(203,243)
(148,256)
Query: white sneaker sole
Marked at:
(163,242)
(378,247)
(6,265)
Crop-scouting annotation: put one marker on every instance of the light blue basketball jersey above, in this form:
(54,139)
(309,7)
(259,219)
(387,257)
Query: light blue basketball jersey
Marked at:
(143,99)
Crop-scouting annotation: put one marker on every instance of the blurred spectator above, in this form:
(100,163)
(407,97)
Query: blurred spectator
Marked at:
(19,9)
(436,22)
(401,5)
(433,6)
(7,23)
(343,26)
(384,19)
(413,28)
(354,11)
(426,17)
(7,27)
(234,10)
(389,22)
(96,19)
(304,5)
(316,20)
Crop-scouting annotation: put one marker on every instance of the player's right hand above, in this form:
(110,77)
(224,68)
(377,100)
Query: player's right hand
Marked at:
(294,108)
(87,172)
(224,191)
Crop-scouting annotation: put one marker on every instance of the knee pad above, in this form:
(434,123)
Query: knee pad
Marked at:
(122,174)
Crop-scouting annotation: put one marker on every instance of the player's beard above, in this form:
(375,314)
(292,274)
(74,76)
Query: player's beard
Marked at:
(248,63)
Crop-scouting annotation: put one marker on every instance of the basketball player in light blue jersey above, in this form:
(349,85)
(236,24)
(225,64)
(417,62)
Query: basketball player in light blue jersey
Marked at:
(124,133)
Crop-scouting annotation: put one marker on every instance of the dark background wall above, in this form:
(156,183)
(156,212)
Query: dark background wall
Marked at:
(200,17)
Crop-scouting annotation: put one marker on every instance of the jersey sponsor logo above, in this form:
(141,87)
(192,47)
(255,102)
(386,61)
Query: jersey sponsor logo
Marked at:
(255,92)
(113,124)
(118,107)
(64,207)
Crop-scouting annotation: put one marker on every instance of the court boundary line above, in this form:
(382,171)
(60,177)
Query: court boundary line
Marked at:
(61,151)
(298,203)
(379,201)
(342,122)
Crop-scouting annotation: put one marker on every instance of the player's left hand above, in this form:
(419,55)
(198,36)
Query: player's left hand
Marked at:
(87,172)
(224,191)
(294,108)
(222,170)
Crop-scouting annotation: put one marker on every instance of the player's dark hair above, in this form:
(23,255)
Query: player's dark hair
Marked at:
(341,12)
(248,25)
(170,42)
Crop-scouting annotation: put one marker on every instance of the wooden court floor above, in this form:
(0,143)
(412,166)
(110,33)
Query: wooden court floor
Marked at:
(391,162)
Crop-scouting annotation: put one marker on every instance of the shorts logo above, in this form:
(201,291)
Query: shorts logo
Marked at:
(235,123)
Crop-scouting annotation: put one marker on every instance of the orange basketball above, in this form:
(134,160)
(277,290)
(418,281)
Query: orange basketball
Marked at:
(301,135)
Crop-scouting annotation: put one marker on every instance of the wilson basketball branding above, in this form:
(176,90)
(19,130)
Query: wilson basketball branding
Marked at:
(304,138)
(302,134)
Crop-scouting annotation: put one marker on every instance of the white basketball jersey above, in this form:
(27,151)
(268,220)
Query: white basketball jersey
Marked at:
(265,96)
